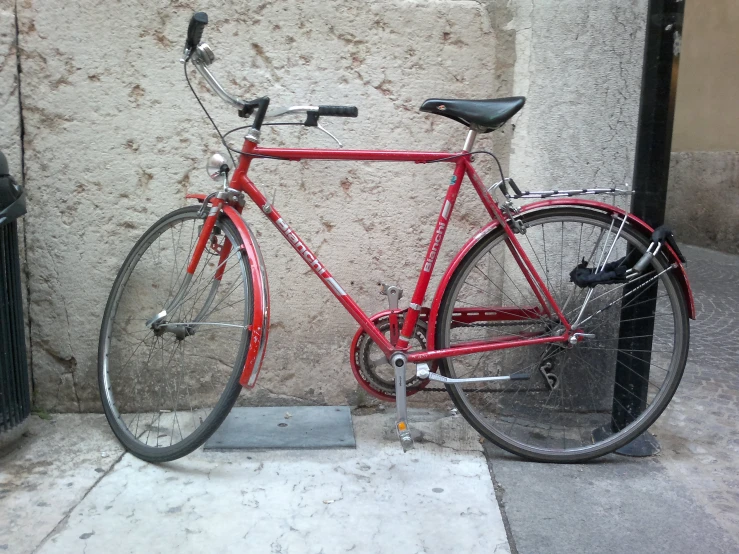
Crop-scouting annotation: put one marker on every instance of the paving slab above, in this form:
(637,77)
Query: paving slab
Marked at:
(48,473)
(686,499)
(614,505)
(699,431)
(290,427)
(438,498)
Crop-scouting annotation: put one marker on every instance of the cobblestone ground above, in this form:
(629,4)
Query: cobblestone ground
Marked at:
(699,431)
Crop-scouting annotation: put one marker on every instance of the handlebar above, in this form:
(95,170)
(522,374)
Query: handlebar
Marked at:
(202,56)
(338,111)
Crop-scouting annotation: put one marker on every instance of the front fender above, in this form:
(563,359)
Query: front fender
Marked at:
(598,206)
(260,290)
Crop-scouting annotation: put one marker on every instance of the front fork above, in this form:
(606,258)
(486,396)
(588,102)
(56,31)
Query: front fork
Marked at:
(206,231)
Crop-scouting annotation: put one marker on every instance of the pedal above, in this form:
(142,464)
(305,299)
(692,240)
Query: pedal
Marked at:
(404,434)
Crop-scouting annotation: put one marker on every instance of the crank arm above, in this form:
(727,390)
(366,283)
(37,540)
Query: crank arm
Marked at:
(423,372)
(398,361)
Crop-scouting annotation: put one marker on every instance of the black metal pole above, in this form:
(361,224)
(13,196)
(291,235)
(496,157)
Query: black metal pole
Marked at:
(657,109)
(651,170)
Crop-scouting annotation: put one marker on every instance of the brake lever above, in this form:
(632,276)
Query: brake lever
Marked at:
(329,134)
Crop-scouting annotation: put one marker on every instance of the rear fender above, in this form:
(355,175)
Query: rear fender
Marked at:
(638,224)
(260,320)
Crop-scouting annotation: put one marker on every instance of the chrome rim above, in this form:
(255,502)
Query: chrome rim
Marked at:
(163,382)
(568,403)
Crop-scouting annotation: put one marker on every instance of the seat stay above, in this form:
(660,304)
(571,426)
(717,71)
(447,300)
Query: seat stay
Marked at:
(538,287)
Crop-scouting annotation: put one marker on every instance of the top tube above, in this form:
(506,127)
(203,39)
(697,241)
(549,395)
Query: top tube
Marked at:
(357,155)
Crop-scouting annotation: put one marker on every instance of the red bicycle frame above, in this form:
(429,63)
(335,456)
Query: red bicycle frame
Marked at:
(399,340)
(241,182)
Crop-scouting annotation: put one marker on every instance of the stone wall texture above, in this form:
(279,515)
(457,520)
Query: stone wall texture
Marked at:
(579,63)
(114,140)
(706,110)
(10,137)
(10,143)
(703,199)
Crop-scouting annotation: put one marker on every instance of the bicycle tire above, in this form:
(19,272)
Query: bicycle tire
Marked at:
(524,437)
(228,379)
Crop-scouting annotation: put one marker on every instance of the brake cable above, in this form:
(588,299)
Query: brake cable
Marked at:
(220,135)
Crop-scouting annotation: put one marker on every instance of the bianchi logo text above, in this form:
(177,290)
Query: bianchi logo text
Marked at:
(438,235)
(310,257)
(300,247)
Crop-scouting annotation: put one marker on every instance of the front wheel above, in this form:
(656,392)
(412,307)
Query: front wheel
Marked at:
(168,382)
(579,401)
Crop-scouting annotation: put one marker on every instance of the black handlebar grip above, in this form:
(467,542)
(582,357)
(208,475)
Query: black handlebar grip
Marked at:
(195,30)
(338,111)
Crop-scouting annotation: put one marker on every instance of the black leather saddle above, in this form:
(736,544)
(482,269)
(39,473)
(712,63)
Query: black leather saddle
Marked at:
(480,115)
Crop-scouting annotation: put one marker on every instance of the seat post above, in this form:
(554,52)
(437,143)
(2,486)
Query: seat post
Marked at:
(470,141)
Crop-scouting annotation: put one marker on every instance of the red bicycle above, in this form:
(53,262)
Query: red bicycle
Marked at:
(560,330)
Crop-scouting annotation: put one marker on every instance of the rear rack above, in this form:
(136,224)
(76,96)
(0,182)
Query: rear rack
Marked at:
(574,192)
(518,193)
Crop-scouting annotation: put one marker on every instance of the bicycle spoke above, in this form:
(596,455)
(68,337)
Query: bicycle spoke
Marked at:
(569,401)
(166,382)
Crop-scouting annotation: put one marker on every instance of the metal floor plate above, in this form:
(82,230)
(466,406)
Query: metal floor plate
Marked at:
(285,427)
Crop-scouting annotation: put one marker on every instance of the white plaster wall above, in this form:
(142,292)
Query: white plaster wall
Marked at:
(579,64)
(114,140)
(9,113)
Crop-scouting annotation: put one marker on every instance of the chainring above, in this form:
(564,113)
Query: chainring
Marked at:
(372,370)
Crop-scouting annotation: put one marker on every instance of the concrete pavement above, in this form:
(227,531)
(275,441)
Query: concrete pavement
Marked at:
(69,488)
(685,499)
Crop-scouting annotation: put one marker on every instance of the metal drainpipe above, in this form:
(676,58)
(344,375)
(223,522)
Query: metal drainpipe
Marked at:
(651,171)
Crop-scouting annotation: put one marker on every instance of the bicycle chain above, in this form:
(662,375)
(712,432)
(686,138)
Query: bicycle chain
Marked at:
(502,324)
(483,324)
(505,324)
(463,390)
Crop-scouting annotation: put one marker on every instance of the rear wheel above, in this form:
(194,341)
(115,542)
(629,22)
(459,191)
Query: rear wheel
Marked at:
(580,401)
(166,387)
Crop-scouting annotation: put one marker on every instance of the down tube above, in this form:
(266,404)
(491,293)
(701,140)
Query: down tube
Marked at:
(318,268)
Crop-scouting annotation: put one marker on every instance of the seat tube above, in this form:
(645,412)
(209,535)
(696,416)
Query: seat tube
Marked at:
(442,223)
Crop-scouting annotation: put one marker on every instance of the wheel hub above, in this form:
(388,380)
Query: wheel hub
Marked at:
(159,325)
(180,330)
